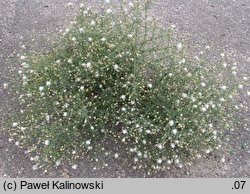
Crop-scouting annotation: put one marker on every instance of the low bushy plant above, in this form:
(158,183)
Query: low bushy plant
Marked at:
(116,73)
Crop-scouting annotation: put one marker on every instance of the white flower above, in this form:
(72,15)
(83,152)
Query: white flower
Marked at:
(184,95)
(159,161)
(75,166)
(198,156)
(169,161)
(234,72)
(172,145)
(222,55)
(136,159)
(150,85)
(46,142)
(70,61)
(131,4)
(130,35)
(176,161)
(207,151)
(182,61)
(23,57)
(124,131)
(107,1)
(41,88)
(17,143)
(74,152)
(170,74)
(81,30)
(90,39)
(224,65)
(123,97)
(48,83)
(203,84)
(171,123)
(65,114)
(223,87)
(179,46)
(109,11)
(116,67)
(88,142)
(116,155)
(92,23)
(5,85)
(58,163)
(74,39)
(160,146)
(223,160)
(88,65)
(103,39)
(82,88)
(174,131)
(123,109)
(81,5)
(14,125)
(203,109)
(35,167)
(240,86)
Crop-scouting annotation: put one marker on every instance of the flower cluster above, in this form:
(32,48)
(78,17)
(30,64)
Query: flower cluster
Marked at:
(116,73)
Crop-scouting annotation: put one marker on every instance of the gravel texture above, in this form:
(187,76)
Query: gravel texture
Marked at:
(222,24)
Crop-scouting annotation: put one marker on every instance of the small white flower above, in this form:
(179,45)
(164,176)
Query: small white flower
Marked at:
(81,30)
(123,109)
(170,74)
(116,67)
(179,46)
(46,142)
(74,39)
(70,61)
(48,83)
(160,146)
(224,65)
(92,23)
(124,131)
(172,145)
(88,142)
(116,155)
(75,166)
(150,85)
(234,72)
(82,88)
(58,163)
(5,85)
(90,39)
(223,160)
(184,95)
(74,152)
(65,114)
(103,39)
(23,57)
(176,161)
(240,86)
(17,143)
(203,109)
(14,125)
(109,11)
(130,35)
(171,123)
(198,156)
(131,4)
(207,151)
(88,65)
(174,131)
(169,161)
(136,159)
(123,97)
(107,1)
(35,167)
(182,61)
(81,5)
(203,84)
(159,161)
(223,87)
(222,55)
(41,88)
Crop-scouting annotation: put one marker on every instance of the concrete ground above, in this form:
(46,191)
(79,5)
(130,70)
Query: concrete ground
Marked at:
(221,24)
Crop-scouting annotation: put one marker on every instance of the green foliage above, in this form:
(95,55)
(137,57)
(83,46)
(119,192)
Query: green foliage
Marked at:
(116,73)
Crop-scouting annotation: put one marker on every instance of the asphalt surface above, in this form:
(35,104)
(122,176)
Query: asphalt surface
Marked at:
(222,24)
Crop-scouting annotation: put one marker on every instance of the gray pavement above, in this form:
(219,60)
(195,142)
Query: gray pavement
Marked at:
(221,24)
